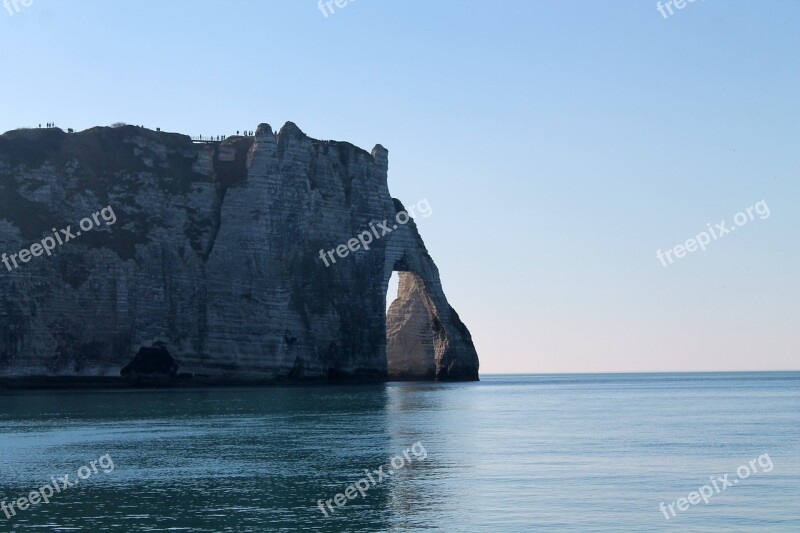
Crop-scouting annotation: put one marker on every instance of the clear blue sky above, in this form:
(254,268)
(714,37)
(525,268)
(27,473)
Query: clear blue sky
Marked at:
(560,145)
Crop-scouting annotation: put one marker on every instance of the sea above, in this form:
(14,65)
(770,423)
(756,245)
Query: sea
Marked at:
(706,452)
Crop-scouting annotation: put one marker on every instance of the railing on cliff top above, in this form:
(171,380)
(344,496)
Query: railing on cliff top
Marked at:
(218,138)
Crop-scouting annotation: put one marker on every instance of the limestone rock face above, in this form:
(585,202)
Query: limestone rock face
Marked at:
(211,271)
(410,350)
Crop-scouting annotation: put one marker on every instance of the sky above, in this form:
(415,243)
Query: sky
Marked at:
(560,146)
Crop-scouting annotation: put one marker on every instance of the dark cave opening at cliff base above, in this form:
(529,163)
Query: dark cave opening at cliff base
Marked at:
(151,363)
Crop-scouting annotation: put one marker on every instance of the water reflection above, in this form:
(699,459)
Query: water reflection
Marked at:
(210,460)
(521,453)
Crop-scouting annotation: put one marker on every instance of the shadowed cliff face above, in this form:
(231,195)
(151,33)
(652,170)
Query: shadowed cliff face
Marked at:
(211,272)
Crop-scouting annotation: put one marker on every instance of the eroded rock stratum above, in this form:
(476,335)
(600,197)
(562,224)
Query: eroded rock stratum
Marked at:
(211,273)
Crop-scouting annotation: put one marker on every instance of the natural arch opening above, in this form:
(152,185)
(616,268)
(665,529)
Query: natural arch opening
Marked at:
(391,292)
(410,353)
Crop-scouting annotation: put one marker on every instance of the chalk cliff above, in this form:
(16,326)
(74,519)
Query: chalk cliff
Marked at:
(211,271)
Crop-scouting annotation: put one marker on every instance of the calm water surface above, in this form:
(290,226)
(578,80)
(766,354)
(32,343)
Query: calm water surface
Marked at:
(511,453)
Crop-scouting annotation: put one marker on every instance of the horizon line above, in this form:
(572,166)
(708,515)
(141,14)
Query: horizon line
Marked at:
(635,372)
